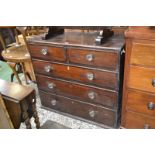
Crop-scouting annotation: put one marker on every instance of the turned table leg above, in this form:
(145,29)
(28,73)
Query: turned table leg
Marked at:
(25,114)
(27,120)
(35,114)
(24,72)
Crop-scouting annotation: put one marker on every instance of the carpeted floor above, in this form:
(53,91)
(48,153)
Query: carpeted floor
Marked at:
(5,71)
(48,119)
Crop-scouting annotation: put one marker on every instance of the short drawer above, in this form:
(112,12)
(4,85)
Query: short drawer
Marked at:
(77,108)
(100,59)
(141,102)
(142,78)
(89,76)
(138,121)
(48,53)
(143,54)
(81,92)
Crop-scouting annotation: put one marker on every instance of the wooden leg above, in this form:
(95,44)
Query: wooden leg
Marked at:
(25,114)
(28,76)
(27,120)
(35,114)
(12,66)
(24,71)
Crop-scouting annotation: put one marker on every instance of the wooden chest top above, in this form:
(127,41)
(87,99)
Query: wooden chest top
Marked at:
(84,39)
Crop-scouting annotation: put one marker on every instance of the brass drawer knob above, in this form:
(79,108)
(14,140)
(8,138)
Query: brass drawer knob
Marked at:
(91,95)
(90,76)
(51,85)
(54,102)
(151,106)
(146,126)
(47,68)
(153,82)
(44,51)
(92,113)
(89,57)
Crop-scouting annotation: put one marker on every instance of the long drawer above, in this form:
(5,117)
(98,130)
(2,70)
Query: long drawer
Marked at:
(141,102)
(100,59)
(77,108)
(138,121)
(95,95)
(142,78)
(48,53)
(89,76)
(143,54)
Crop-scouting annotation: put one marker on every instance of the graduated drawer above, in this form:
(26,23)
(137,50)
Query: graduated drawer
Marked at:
(141,102)
(77,108)
(142,78)
(143,54)
(89,76)
(100,59)
(48,53)
(95,95)
(138,121)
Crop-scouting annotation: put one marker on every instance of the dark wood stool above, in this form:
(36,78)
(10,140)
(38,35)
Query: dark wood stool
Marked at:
(20,102)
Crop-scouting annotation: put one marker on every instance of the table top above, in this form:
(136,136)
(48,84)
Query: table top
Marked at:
(16,53)
(14,91)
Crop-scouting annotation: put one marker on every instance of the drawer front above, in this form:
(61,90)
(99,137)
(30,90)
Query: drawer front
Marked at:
(101,59)
(143,54)
(80,92)
(142,78)
(48,53)
(141,102)
(137,121)
(99,78)
(81,109)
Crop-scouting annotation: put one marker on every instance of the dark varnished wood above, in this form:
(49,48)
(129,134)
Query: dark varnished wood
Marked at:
(80,39)
(138,101)
(68,76)
(138,121)
(101,59)
(19,101)
(104,79)
(77,108)
(15,91)
(53,53)
(14,112)
(102,96)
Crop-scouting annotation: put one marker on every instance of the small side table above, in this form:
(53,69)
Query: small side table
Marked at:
(20,102)
(17,54)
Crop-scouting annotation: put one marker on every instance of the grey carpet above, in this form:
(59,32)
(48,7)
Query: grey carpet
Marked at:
(52,125)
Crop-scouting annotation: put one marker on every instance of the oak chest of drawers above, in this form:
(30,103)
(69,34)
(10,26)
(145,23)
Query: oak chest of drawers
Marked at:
(78,78)
(139,80)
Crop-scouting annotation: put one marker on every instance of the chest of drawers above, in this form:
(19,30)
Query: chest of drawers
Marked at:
(78,78)
(139,81)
